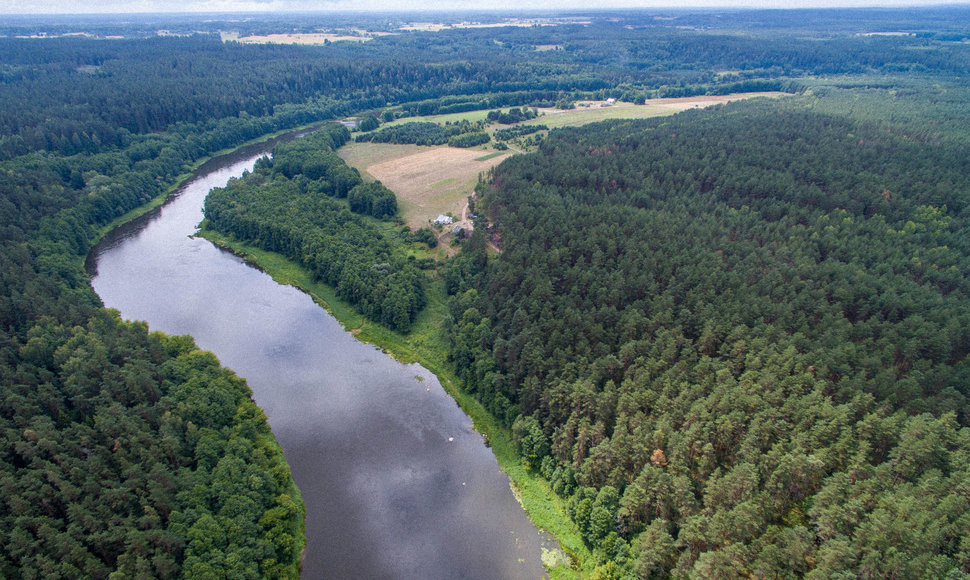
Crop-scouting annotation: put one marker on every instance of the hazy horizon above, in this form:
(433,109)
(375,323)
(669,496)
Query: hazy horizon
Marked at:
(75,7)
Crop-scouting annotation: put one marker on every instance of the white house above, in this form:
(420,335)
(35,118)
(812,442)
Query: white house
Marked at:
(443,220)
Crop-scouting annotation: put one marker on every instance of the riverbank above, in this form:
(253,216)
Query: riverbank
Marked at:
(191,171)
(392,343)
(425,345)
(295,517)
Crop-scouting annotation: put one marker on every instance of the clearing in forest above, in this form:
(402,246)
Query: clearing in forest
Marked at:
(505,22)
(591,111)
(438,180)
(427,180)
(308,38)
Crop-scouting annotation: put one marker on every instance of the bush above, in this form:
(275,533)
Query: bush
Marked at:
(469,139)
(372,199)
(369,123)
(426,236)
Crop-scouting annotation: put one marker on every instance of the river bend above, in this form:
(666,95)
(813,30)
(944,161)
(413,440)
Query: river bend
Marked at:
(396,482)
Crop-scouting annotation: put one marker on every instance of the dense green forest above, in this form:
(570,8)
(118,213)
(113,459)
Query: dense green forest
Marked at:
(71,94)
(290,204)
(129,454)
(736,340)
(420,133)
(123,453)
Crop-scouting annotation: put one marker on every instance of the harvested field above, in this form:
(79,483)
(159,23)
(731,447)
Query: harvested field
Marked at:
(315,38)
(363,155)
(427,180)
(600,111)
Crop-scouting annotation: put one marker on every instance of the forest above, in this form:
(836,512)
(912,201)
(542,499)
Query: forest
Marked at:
(734,341)
(734,356)
(124,452)
(79,94)
(421,133)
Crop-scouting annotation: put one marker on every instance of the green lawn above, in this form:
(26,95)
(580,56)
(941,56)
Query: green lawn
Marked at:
(554,118)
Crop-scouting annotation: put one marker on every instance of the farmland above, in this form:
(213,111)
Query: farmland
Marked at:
(592,111)
(427,180)
(438,180)
(599,110)
(310,38)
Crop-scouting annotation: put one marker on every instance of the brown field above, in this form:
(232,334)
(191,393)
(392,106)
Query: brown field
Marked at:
(427,180)
(581,115)
(511,21)
(314,38)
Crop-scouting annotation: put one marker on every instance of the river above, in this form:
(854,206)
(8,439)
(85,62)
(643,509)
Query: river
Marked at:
(396,482)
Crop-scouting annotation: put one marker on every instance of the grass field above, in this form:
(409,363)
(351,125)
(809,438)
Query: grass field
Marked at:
(581,115)
(596,112)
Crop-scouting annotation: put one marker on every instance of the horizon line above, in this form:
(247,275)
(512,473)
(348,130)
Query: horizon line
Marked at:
(729,5)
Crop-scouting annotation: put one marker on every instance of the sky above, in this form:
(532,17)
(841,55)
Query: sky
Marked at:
(130,6)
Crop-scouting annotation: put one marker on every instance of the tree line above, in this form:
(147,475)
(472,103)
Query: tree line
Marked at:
(421,133)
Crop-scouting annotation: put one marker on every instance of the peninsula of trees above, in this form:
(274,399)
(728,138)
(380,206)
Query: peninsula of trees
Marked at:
(301,203)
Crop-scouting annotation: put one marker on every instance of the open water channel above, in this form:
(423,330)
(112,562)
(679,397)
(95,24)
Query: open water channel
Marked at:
(396,482)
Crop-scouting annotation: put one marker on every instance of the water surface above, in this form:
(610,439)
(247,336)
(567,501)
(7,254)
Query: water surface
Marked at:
(396,482)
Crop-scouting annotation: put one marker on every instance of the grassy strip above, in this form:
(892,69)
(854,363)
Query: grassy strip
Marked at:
(490,155)
(299,525)
(425,345)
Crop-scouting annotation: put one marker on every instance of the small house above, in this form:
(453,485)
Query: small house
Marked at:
(443,220)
